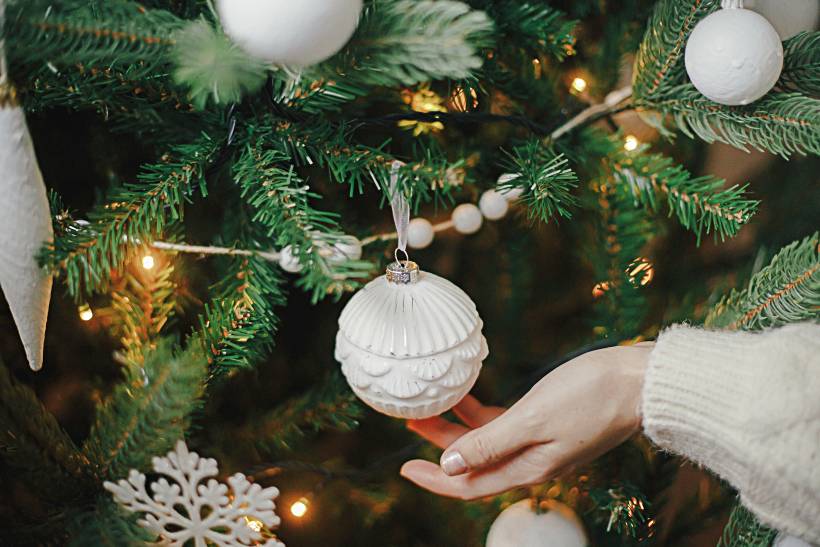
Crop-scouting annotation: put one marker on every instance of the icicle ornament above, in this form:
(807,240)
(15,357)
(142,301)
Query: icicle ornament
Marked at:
(410,342)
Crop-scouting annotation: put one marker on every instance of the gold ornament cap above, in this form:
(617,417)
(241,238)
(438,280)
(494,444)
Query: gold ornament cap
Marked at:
(402,272)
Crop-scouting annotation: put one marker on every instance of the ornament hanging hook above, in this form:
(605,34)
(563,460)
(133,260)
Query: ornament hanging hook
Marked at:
(401,211)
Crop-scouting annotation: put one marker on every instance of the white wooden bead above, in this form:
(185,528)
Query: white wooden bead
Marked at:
(493,205)
(467,218)
(420,233)
(346,248)
(288,261)
(510,194)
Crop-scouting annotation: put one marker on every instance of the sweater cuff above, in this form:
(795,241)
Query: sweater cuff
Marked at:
(692,389)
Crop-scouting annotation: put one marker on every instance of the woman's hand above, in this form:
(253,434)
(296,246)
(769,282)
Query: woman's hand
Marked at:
(573,415)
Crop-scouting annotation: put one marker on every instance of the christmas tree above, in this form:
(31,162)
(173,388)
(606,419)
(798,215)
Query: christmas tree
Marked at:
(218,189)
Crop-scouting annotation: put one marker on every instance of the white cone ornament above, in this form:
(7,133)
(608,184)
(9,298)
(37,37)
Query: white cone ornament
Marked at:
(287,32)
(552,525)
(734,55)
(25,225)
(788,17)
(410,343)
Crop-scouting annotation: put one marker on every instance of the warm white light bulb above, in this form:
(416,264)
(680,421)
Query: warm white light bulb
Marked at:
(299,508)
(630,143)
(579,85)
(86,314)
(148,262)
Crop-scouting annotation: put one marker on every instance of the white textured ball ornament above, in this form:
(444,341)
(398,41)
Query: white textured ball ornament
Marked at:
(467,218)
(493,205)
(286,32)
(788,17)
(420,233)
(410,343)
(520,525)
(289,262)
(734,56)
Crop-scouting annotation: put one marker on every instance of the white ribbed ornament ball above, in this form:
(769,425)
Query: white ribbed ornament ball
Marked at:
(290,33)
(734,56)
(420,233)
(520,525)
(288,261)
(410,343)
(467,218)
(493,205)
(788,17)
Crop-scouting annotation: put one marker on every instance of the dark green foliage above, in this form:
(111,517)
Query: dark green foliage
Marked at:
(148,412)
(702,204)
(36,449)
(546,179)
(785,291)
(743,530)
(238,326)
(801,64)
(132,214)
(107,524)
(623,509)
(538,29)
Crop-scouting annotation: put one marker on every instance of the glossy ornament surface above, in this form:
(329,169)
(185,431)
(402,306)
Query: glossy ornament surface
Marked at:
(553,525)
(410,343)
(734,56)
(290,33)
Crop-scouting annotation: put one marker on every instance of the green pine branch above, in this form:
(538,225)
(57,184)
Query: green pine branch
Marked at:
(701,204)
(404,42)
(238,326)
(133,214)
(801,64)
(148,412)
(659,62)
(744,530)
(538,29)
(785,291)
(546,180)
(37,449)
(781,123)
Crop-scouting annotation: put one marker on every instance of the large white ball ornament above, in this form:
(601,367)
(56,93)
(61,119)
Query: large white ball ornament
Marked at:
(788,17)
(493,205)
(734,56)
(520,525)
(467,218)
(288,261)
(287,32)
(410,343)
(420,233)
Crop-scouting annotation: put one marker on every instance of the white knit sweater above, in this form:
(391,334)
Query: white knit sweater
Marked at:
(746,406)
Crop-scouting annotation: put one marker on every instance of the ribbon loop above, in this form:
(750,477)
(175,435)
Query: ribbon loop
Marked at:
(401,209)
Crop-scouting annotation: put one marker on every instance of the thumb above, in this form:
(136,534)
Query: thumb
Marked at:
(488,444)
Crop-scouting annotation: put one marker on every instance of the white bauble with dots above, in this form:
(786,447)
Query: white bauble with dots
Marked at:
(493,205)
(467,218)
(346,248)
(285,32)
(410,343)
(420,233)
(788,17)
(734,56)
(288,261)
(520,525)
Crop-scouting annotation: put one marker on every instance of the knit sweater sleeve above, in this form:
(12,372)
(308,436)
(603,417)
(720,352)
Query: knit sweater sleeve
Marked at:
(746,406)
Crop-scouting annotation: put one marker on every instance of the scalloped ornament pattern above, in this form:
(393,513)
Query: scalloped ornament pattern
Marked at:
(411,351)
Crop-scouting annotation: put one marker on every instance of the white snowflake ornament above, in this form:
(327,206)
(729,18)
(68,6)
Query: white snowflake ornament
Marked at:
(189,509)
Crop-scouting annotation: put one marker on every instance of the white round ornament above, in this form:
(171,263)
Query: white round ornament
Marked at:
(513,193)
(467,218)
(291,33)
(288,261)
(520,525)
(493,205)
(788,17)
(410,343)
(420,233)
(734,56)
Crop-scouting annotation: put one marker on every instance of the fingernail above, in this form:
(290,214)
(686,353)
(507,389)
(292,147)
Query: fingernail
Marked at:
(452,463)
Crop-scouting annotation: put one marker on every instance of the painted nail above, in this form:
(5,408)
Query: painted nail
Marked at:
(452,463)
